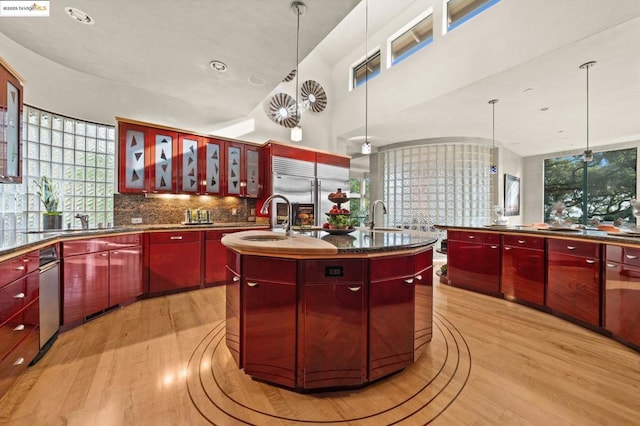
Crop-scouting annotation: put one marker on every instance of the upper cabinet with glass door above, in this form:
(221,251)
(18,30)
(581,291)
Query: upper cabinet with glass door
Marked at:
(10,124)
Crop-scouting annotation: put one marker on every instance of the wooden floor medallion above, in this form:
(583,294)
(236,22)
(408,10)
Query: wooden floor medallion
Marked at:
(223,394)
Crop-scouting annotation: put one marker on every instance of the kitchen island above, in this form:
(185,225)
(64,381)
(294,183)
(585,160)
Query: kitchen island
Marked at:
(318,311)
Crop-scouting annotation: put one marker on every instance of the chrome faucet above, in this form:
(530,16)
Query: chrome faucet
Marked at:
(288,224)
(372,214)
(84,220)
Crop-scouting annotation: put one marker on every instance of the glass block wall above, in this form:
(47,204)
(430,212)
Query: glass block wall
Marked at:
(78,155)
(446,184)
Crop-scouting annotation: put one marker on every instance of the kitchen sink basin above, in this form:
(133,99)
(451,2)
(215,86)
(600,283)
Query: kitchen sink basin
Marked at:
(265,237)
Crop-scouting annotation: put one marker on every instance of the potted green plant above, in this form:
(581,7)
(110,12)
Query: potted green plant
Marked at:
(49,195)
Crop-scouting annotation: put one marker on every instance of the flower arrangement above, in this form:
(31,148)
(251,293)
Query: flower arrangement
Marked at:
(49,195)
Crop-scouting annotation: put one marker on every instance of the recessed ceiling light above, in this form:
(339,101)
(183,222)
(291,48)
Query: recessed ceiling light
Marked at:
(218,66)
(543,109)
(256,81)
(528,89)
(79,16)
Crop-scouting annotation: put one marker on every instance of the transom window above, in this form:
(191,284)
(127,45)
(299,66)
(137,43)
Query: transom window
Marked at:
(460,11)
(411,38)
(366,69)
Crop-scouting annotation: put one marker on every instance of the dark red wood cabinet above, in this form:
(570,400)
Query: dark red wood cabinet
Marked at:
(243,176)
(423,306)
(391,314)
(11,106)
(233,305)
(268,296)
(332,333)
(473,261)
(215,256)
(19,319)
(174,260)
(99,273)
(622,293)
(523,268)
(573,279)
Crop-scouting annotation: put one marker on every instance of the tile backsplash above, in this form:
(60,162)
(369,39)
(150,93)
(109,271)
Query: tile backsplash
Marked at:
(157,210)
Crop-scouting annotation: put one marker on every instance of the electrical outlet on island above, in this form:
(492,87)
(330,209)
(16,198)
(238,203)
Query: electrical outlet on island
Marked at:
(234,212)
(136,220)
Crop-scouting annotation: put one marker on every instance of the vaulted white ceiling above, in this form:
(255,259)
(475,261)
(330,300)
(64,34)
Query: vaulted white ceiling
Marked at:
(150,60)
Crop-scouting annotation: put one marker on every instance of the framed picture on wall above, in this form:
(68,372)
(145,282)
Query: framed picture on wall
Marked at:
(511,195)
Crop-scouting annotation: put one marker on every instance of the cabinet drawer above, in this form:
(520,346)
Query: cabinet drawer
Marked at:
(391,267)
(424,260)
(12,269)
(233,261)
(18,360)
(76,247)
(175,237)
(477,237)
(258,268)
(574,248)
(333,271)
(12,299)
(16,328)
(625,255)
(524,241)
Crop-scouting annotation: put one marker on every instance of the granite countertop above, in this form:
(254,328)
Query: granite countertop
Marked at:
(624,236)
(18,241)
(317,242)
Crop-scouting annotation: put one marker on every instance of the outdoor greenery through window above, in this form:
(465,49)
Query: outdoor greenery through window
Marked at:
(612,180)
(460,11)
(366,69)
(409,40)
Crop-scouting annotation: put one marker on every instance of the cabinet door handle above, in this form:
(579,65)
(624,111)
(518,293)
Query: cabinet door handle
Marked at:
(494,247)
(20,268)
(409,281)
(590,261)
(236,278)
(104,254)
(19,296)
(419,277)
(630,256)
(507,248)
(521,241)
(251,284)
(471,237)
(610,265)
(571,247)
(19,361)
(115,252)
(18,327)
(354,288)
(176,237)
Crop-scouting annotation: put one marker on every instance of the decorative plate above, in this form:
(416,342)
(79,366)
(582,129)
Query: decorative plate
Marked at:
(338,200)
(281,109)
(314,97)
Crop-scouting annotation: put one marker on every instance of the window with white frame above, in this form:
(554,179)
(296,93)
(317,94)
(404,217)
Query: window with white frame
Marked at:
(410,38)
(366,69)
(458,12)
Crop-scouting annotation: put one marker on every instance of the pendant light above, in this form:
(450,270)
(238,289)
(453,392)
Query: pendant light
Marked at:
(366,145)
(494,166)
(299,9)
(587,155)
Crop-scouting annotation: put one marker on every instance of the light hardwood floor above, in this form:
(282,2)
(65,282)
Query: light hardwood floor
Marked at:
(163,361)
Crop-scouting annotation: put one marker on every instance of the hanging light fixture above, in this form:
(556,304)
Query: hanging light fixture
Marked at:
(366,145)
(494,166)
(587,155)
(299,9)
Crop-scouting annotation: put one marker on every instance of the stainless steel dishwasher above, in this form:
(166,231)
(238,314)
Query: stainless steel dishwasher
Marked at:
(49,299)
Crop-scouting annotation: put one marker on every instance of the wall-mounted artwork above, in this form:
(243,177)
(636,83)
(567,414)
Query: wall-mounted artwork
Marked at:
(511,195)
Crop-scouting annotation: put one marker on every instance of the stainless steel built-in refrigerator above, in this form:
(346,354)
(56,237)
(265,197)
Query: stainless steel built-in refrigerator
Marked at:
(307,182)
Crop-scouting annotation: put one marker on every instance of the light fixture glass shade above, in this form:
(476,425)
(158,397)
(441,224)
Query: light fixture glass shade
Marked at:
(493,169)
(296,134)
(366,147)
(587,155)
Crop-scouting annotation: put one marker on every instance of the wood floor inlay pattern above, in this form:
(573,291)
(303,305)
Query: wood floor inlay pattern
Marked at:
(223,394)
